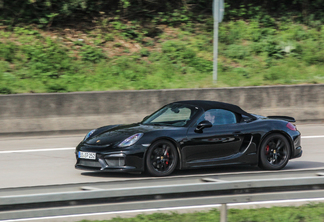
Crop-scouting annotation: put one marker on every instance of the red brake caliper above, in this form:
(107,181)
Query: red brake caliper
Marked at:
(267,149)
(167,162)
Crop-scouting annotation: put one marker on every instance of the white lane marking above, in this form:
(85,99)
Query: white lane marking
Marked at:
(165,209)
(311,137)
(37,150)
(72,148)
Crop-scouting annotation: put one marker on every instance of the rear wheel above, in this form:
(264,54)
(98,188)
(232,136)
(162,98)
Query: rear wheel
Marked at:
(161,158)
(274,152)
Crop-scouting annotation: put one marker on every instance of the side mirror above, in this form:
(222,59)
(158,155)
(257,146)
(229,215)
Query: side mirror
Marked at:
(202,125)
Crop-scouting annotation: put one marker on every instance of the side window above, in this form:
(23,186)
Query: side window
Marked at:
(219,116)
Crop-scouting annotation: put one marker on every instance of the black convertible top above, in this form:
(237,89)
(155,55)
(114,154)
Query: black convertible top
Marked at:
(206,105)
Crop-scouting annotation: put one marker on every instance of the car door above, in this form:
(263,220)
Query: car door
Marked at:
(214,145)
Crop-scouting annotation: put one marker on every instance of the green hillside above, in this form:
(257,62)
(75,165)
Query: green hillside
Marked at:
(79,45)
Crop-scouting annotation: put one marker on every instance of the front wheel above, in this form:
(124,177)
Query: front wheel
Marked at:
(161,158)
(274,152)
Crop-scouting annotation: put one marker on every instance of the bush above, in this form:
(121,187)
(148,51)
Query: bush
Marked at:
(268,21)
(237,52)
(5,90)
(299,33)
(313,53)
(273,48)
(258,47)
(232,32)
(56,87)
(242,72)
(92,54)
(273,74)
(45,60)
(254,31)
(144,52)
(177,51)
(8,51)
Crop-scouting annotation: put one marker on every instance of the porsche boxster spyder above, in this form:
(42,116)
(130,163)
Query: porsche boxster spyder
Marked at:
(191,134)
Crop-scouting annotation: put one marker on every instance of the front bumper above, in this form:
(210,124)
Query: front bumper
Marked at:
(112,160)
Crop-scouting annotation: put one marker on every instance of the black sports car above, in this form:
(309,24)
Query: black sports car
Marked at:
(190,134)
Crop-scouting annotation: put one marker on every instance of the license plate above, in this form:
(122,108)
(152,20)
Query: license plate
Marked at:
(87,155)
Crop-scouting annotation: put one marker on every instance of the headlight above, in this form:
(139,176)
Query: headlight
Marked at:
(131,140)
(89,134)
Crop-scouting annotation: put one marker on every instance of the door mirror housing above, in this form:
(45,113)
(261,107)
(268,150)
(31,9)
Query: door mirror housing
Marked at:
(202,125)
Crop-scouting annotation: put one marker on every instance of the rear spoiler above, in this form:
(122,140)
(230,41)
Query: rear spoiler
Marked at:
(286,118)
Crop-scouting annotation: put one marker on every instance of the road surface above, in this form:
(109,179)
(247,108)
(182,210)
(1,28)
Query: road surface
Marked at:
(49,160)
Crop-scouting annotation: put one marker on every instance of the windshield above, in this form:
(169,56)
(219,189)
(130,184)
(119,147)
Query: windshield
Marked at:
(172,115)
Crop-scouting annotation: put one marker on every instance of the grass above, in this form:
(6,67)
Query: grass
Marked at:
(251,53)
(306,213)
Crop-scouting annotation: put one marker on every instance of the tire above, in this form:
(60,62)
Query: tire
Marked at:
(161,158)
(274,152)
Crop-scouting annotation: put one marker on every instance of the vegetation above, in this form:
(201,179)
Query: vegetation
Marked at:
(308,213)
(83,45)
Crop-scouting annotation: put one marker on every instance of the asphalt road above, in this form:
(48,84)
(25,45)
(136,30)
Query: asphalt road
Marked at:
(49,160)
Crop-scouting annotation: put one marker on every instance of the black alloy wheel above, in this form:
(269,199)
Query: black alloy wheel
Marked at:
(161,158)
(274,152)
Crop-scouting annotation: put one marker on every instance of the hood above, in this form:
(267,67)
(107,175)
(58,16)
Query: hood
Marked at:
(120,133)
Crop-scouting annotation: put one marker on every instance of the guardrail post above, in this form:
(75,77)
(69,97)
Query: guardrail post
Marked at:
(223,213)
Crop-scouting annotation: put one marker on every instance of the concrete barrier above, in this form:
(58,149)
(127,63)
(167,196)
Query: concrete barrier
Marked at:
(81,111)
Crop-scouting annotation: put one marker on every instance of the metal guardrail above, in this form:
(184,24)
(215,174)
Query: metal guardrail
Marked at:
(210,190)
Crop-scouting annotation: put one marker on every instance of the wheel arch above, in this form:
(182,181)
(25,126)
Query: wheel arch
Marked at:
(286,135)
(176,145)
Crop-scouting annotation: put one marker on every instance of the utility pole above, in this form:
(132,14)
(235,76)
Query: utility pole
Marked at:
(218,14)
